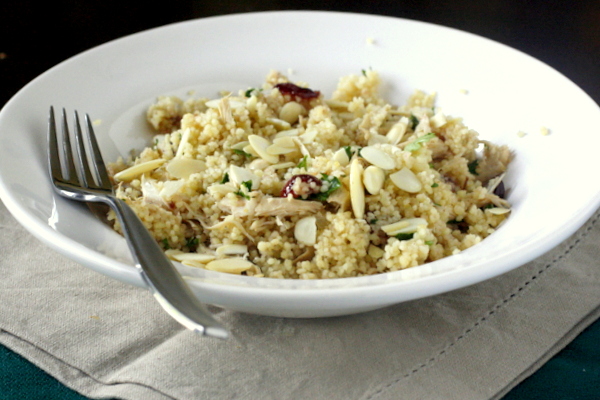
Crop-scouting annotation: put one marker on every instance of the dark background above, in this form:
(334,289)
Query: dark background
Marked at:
(34,36)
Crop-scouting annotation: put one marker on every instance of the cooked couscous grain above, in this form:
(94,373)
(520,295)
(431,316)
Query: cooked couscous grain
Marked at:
(279,182)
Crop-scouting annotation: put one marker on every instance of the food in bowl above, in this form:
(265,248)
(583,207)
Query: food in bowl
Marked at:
(279,182)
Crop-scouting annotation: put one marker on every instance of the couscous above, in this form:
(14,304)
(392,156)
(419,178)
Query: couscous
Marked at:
(278,181)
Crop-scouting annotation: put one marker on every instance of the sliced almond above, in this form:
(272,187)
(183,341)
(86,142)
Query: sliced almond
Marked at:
(221,189)
(341,156)
(377,157)
(284,141)
(305,231)
(438,120)
(407,225)
(498,210)
(279,123)
(170,188)
(138,169)
(276,149)
(406,180)
(396,133)
(283,165)
(240,145)
(287,132)
(373,178)
(239,175)
(260,145)
(182,168)
(378,139)
(235,265)
(180,256)
(357,190)
(185,138)
(232,249)
(250,150)
(309,135)
(290,112)
(375,252)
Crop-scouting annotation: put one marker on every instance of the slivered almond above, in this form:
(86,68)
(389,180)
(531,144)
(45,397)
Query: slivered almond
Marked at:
(407,225)
(373,178)
(305,231)
(235,265)
(377,157)
(232,249)
(240,145)
(406,180)
(357,190)
(260,144)
(309,135)
(375,252)
(284,141)
(138,169)
(182,168)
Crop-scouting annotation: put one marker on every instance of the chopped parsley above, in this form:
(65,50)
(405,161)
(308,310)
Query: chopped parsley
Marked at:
(165,243)
(429,242)
(435,185)
(405,236)
(303,163)
(414,121)
(248,93)
(242,153)
(191,242)
(348,151)
(225,178)
(333,185)
(244,193)
(373,221)
(473,167)
(418,142)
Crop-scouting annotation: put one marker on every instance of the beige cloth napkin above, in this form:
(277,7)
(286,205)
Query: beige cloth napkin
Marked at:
(106,339)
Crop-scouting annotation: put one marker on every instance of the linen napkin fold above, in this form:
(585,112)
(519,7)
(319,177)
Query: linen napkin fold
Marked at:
(106,339)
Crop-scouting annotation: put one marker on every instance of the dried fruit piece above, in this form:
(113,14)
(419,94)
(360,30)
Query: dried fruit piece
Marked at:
(302,185)
(295,90)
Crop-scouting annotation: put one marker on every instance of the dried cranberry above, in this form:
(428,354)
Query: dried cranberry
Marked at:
(305,178)
(294,90)
(500,191)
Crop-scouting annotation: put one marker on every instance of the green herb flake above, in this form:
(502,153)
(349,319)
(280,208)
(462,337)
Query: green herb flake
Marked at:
(414,121)
(348,151)
(418,142)
(247,185)
(242,153)
(473,167)
(405,236)
(373,221)
(242,194)
(435,185)
(191,242)
(303,163)
(248,93)
(165,243)
(333,185)
(225,178)
(429,242)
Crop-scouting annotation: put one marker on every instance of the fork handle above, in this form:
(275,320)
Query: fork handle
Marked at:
(163,280)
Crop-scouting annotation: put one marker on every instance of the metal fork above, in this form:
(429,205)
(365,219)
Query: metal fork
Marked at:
(76,180)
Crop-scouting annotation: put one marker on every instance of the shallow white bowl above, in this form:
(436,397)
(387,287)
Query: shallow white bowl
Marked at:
(499,91)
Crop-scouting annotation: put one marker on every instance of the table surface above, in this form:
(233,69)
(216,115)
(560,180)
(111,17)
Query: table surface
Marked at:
(564,35)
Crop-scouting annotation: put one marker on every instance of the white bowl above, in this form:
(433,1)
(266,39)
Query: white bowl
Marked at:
(497,90)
